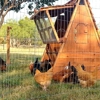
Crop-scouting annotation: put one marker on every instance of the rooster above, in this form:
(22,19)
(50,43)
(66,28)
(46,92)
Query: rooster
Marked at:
(44,78)
(86,79)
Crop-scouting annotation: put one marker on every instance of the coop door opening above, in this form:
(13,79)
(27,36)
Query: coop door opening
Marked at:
(81,33)
(61,19)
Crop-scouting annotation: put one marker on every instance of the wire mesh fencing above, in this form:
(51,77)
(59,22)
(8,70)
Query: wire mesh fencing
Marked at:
(54,54)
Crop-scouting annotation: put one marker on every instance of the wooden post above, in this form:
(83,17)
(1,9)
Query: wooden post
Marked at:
(8,45)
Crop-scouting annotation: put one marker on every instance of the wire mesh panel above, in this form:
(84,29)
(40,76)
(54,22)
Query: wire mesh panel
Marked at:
(53,54)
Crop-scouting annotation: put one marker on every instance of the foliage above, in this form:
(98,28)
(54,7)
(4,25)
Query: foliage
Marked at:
(28,27)
(7,5)
(23,31)
(1,40)
(42,3)
(31,4)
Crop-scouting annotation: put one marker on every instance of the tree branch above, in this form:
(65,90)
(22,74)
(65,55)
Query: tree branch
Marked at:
(7,10)
(5,3)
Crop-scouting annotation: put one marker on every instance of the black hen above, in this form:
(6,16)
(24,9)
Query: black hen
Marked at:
(36,66)
(2,65)
(41,66)
(73,77)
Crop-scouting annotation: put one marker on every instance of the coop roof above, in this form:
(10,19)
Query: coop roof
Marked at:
(55,10)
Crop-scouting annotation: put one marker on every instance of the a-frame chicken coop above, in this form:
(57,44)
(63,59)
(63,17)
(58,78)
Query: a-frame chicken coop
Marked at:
(70,34)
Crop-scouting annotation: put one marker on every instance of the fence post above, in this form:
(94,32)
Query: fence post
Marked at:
(8,45)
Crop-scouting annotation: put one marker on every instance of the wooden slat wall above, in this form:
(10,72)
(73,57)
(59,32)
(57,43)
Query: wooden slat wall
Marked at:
(50,52)
(87,53)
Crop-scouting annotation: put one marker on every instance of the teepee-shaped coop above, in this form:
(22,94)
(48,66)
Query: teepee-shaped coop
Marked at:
(70,34)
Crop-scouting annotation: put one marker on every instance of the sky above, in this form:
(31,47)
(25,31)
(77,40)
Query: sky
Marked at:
(95,5)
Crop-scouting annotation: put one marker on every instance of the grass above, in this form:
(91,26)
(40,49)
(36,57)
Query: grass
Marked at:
(18,84)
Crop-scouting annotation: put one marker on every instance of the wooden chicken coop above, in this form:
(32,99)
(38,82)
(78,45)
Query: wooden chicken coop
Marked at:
(70,34)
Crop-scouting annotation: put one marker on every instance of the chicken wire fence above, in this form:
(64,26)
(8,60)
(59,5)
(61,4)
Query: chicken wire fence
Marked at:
(57,27)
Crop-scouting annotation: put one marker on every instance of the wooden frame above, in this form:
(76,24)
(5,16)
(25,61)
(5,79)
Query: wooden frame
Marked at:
(45,32)
(66,49)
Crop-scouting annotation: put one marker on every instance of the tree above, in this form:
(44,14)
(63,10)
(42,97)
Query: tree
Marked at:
(29,31)
(7,5)
(23,32)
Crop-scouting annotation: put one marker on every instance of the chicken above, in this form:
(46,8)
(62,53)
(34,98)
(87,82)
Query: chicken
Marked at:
(43,66)
(63,74)
(68,74)
(73,77)
(44,78)
(31,66)
(86,79)
(2,65)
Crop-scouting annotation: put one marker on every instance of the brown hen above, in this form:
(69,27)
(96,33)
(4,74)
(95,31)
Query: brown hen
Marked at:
(86,79)
(44,78)
(62,75)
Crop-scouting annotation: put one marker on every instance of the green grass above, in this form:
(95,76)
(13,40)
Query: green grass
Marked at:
(18,84)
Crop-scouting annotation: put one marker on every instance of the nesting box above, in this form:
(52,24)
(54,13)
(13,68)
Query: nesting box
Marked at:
(70,34)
